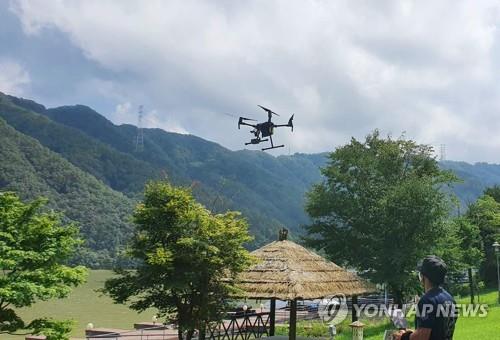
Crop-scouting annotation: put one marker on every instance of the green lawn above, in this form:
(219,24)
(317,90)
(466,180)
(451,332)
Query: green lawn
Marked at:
(373,330)
(490,298)
(85,305)
(481,328)
(471,328)
(466,329)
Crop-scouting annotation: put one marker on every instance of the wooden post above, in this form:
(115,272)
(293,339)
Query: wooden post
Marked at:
(292,329)
(354,307)
(272,317)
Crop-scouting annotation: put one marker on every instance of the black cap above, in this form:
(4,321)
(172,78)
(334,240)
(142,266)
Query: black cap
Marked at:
(433,268)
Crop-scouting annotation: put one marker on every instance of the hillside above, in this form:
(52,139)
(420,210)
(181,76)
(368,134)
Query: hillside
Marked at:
(32,171)
(118,170)
(254,182)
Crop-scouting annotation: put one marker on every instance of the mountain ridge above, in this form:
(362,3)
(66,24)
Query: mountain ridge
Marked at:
(269,190)
(184,153)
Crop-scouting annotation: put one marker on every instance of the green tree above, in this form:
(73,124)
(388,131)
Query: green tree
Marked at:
(461,248)
(187,256)
(485,213)
(380,209)
(494,192)
(33,247)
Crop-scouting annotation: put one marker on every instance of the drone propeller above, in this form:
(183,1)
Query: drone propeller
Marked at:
(229,114)
(267,110)
(290,122)
(234,116)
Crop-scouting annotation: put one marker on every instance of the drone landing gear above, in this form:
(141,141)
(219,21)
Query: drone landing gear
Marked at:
(273,147)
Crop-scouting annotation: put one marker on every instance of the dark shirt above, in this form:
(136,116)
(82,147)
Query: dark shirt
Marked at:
(437,310)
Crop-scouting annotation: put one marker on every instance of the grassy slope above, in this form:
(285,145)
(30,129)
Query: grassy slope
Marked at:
(481,328)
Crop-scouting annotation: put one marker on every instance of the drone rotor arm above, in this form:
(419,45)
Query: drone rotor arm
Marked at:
(290,123)
(247,124)
(242,120)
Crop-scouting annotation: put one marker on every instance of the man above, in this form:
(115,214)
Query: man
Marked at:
(435,315)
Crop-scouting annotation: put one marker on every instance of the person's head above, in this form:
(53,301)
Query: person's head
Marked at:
(432,270)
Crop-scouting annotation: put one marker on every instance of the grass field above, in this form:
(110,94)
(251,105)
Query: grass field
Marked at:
(481,328)
(472,328)
(466,329)
(85,305)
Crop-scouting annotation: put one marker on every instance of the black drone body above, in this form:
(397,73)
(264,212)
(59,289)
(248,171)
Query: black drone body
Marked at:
(266,129)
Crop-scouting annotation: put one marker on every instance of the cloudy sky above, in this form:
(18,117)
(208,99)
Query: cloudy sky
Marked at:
(426,68)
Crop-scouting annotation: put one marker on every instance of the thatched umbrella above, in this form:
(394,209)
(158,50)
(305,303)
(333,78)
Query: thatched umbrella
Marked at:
(288,271)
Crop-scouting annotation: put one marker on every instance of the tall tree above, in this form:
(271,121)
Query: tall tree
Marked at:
(380,208)
(33,247)
(187,256)
(461,248)
(485,213)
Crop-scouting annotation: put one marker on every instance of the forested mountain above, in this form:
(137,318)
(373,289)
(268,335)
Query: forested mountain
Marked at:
(120,171)
(254,182)
(32,170)
(268,190)
(90,170)
(475,178)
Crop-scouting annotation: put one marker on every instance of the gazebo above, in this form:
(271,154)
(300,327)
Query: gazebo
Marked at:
(289,272)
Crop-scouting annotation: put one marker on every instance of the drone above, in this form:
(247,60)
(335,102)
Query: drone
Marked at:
(265,129)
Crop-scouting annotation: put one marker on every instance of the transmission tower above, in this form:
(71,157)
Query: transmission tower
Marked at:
(139,141)
(442,152)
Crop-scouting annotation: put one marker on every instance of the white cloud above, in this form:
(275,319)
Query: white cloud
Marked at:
(153,119)
(126,113)
(13,78)
(343,67)
(123,112)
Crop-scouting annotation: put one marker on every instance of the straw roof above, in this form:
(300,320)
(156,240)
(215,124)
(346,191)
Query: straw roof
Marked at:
(287,271)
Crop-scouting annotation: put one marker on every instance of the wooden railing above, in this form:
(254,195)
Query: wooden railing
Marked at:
(240,326)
